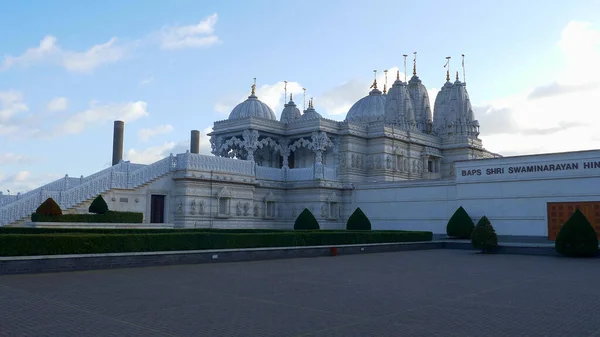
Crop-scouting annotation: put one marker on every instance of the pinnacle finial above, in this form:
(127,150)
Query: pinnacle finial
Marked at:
(398,75)
(415,64)
(310,103)
(448,75)
(457,75)
(290,96)
(254,87)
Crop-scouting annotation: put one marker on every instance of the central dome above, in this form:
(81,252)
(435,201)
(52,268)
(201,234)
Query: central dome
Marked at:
(369,108)
(252,107)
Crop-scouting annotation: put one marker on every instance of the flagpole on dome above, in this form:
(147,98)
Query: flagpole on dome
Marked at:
(463,69)
(284,93)
(415,64)
(304,98)
(447,66)
(405,56)
(385,84)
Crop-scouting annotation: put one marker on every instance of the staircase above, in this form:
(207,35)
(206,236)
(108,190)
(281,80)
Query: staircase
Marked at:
(72,194)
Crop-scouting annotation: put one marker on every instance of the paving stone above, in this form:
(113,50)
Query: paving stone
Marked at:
(412,293)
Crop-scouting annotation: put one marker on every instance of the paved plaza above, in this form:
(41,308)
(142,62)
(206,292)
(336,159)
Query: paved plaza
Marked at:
(415,293)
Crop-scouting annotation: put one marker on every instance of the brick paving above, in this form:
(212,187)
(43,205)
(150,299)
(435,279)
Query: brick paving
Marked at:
(415,293)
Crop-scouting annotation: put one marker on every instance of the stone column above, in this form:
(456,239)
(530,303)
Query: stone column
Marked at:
(250,142)
(195,142)
(426,164)
(118,142)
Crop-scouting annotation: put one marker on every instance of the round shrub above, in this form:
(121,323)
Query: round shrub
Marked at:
(98,206)
(460,225)
(484,236)
(306,220)
(49,208)
(577,237)
(358,221)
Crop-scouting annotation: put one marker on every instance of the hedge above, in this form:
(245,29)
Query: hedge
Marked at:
(80,243)
(108,217)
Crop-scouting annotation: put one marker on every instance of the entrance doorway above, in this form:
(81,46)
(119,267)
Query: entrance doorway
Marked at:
(560,212)
(157,208)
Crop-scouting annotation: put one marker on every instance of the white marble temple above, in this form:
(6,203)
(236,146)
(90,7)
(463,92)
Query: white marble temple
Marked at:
(406,166)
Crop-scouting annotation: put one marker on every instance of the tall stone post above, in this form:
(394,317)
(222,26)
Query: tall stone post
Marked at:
(119,129)
(195,142)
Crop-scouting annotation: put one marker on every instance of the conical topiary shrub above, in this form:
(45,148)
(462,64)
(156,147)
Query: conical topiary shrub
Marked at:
(358,221)
(98,206)
(484,236)
(306,220)
(577,237)
(460,225)
(49,208)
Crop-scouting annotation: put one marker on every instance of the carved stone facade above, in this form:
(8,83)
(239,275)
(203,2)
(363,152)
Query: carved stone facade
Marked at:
(265,171)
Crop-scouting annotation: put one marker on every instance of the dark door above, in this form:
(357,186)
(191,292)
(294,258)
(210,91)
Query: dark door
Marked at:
(157,208)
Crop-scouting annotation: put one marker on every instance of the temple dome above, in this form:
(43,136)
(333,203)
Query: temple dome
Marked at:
(252,107)
(310,113)
(290,112)
(369,108)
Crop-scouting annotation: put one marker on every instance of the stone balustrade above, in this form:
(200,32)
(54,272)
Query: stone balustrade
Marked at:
(68,192)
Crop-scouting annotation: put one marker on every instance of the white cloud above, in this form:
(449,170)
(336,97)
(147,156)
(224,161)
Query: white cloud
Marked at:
(11,103)
(191,36)
(83,62)
(150,154)
(24,181)
(57,104)
(270,94)
(146,134)
(147,80)
(13,158)
(333,103)
(168,38)
(126,112)
(556,117)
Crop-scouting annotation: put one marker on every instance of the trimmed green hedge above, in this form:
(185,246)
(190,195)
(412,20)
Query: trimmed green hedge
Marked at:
(82,243)
(108,217)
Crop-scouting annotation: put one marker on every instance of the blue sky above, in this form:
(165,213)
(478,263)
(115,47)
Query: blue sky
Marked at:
(68,69)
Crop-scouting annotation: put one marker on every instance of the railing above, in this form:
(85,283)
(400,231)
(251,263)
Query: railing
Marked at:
(122,175)
(199,162)
(269,173)
(299,174)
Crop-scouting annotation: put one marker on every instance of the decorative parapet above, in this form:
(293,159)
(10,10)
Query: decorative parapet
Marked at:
(199,162)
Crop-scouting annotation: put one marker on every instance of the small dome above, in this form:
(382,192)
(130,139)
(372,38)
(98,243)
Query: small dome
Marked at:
(310,113)
(290,112)
(369,108)
(252,107)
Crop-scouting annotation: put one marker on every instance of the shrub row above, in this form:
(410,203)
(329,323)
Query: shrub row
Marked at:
(107,217)
(70,243)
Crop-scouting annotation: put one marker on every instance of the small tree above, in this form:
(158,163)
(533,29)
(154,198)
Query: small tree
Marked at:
(577,237)
(98,206)
(306,220)
(49,208)
(484,236)
(460,225)
(358,221)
